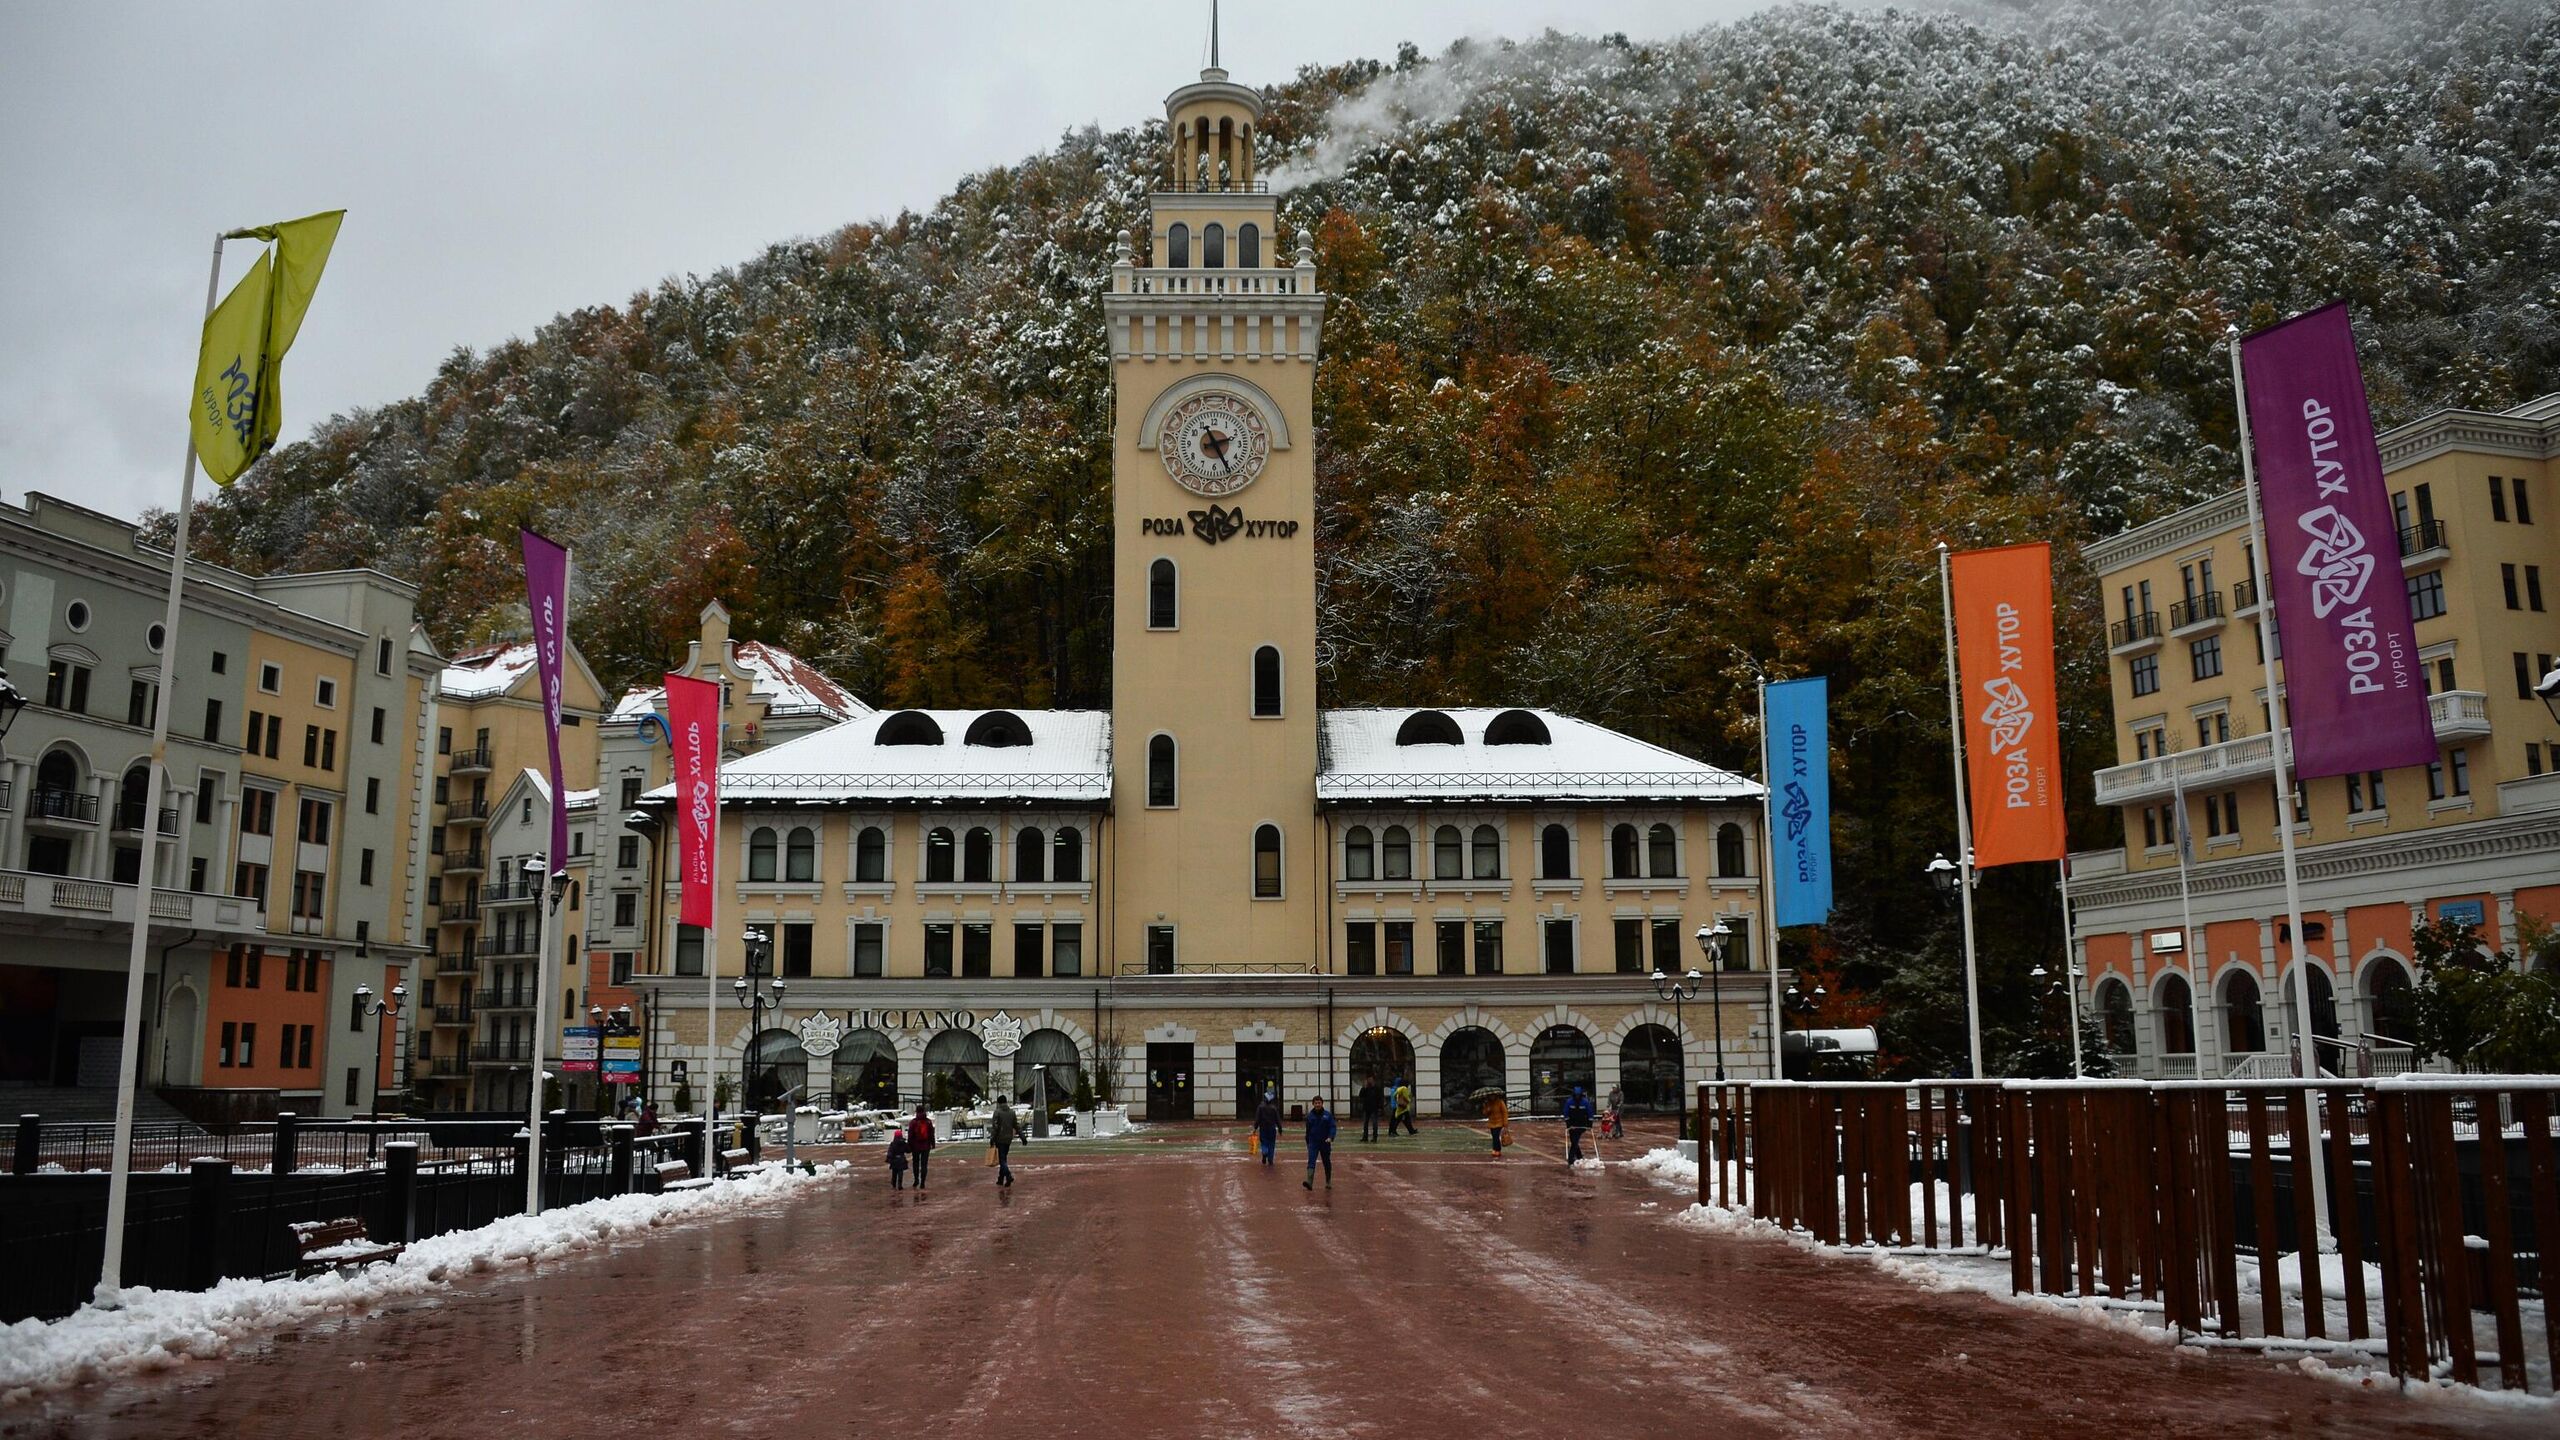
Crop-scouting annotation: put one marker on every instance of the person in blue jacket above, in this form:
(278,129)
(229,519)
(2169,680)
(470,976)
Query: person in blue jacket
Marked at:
(1266,1125)
(1320,1128)
(1577,1120)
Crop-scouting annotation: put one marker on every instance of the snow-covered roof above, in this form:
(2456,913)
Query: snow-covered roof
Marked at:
(1065,758)
(788,685)
(480,674)
(1549,757)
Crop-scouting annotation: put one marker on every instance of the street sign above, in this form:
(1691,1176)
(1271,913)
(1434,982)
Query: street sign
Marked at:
(622,1060)
(578,1049)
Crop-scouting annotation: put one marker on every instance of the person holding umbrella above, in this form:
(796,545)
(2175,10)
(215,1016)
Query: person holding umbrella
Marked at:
(1497,1115)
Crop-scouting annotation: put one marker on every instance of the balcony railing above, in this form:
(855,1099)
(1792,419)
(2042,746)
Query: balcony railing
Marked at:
(2423,538)
(89,901)
(452,1015)
(458,912)
(2133,630)
(2204,609)
(470,762)
(129,817)
(503,892)
(436,1067)
(1255,281)
(500,947)
(2244,597)
(465,862)
(56,802)
(2458,715)
(489,1052)
(466,812)
(453,963)
(501,1000)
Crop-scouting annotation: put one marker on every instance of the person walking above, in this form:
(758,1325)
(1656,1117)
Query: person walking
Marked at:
(898,1159)
(1373,1104)
(1403,1109)
(649,1118)
(1612,1120)
(1320,1128)
(1577,1120)
(1002,1131)
(920,1143)
(1266,1126)
(1497,1118)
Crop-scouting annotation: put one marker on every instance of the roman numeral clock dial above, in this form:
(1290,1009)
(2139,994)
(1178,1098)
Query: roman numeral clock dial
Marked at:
(1214,444)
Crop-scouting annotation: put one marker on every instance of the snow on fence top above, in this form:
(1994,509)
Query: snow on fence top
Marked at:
(1479,754)
(1040,756)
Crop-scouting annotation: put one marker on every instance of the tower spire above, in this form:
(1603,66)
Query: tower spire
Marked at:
(1213,36)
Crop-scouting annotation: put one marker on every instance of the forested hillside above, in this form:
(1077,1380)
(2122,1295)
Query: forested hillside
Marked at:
(1648,366)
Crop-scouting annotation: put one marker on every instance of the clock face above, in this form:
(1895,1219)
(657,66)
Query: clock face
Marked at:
(1214,443)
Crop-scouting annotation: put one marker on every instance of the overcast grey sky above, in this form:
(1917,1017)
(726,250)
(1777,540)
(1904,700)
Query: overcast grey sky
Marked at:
(500,163)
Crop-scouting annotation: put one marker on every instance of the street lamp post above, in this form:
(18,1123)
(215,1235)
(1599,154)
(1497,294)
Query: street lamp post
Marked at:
(1678,992)
(759,948)
(1713,941)
(1954,884)
(366,1004)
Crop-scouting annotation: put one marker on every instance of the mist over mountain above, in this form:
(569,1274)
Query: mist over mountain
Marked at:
(1648,366)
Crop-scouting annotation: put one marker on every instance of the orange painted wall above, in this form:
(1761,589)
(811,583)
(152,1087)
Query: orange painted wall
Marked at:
(272,1008)
(2226,939)
(2109,955)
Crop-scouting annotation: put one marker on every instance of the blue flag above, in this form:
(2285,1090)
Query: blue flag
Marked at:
(1799,746)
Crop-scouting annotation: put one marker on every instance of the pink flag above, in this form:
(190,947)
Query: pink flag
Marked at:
(2358,698)
(693,732)
(546,585)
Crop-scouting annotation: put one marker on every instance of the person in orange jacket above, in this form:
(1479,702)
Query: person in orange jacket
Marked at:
(1497,1118)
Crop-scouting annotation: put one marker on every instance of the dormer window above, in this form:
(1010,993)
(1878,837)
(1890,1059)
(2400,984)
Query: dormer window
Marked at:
(908,727)
(1428,727)
(1517,727)
(997,729)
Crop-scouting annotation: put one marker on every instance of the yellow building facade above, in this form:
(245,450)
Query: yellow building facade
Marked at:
(1217,888)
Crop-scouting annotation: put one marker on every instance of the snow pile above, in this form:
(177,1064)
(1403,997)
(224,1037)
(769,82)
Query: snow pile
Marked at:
(157,1329)
(1668,1166)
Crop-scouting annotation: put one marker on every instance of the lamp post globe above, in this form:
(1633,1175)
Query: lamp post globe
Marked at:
(2548,690)
(1943,877)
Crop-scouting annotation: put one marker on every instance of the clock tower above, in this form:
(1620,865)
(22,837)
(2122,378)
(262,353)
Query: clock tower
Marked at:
(1216,860)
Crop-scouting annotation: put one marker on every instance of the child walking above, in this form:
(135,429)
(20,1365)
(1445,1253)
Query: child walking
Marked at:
(898,1159)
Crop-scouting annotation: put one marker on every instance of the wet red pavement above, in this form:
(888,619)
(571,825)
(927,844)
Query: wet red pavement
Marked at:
(1192,1294)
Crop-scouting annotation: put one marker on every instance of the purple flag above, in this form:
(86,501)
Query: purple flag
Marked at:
(2359,700)
(546,588)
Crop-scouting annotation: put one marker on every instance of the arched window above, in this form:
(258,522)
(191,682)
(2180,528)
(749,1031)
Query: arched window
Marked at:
(1161,791)
(871,856)
(2391,1007)
(2176,1002)
(1561,1061)
(1266,681)
(1487,845)
(800,854)
(978,856)
(1516,727)
(1448,854)
(938,856)
(1249,246)
(1730,861)
(1213,246)
(1395,854)
(1161,613)
(1266,862)
(1359,854)
(1555,853)
(2115,1015)
(2244,1017)
(760,853)
(1624,861)
(1030,849)
(1177,247)
(1662,853)
(57,774)
(1066,861)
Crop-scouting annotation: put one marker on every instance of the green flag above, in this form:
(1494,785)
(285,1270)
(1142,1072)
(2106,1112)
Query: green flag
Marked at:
(237,414)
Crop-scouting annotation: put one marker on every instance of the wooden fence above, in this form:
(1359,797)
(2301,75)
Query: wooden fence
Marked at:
(2445,1186)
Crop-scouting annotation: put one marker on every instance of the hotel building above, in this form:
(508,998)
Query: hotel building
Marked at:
(2474,835)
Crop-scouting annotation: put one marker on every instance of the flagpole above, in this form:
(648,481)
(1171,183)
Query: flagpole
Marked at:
(1768,880)
(2280,744)
(129,1057)
(711,950)
(1964,816)
(2186,909)
(544,918)
(2070,967)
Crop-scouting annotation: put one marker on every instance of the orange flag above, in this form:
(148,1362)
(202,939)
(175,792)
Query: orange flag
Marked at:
(2004,652)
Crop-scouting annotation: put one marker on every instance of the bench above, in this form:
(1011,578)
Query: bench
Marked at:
(338,1244)
(677,1175)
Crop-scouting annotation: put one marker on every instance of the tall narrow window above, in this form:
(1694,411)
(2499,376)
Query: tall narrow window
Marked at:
(1249,246)
(1359,854)
(1160,950)
(1395,854)
(1160,778)
(1559,946)
(1485,847)
(1029,851)
(978,856)
(940,866)
(1662,853)
(1448,854)
(760,854)
(1730,861)
(1555,853)
(1177,247)
(1266,681)
(1066,864)
(1623,862)
(1162,613)
(1213,246)
(871,856)
(867,947)
(1266,862)
(800,858)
